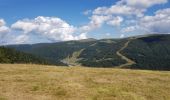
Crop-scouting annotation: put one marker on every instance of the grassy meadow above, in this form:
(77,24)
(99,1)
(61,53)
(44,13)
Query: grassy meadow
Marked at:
(39,82)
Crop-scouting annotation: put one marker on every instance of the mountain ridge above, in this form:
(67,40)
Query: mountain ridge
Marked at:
(141,51)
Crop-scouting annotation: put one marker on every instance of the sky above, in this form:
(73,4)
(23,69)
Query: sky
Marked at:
(37,21)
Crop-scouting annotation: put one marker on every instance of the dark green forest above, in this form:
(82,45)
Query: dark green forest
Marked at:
(150,52)
(8,55)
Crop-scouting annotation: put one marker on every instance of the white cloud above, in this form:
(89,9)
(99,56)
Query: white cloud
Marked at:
(2,22)
(119,10)
(87,12)
(116,21)
(128,7)
(52,28)
(128,29)
(143,3)
(163,12)
(108,34)
(122,36)
(3,29)
(25,25)
(21,39)
(156,24)
(96,22)
(129,10)
(3,33)
(82,36)
(124,13)
(159,23)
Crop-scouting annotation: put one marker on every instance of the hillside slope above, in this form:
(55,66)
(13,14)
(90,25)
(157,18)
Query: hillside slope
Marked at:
(141,52)
(152,52)
(129,62)
(96,53)
(37,82)
(12,56)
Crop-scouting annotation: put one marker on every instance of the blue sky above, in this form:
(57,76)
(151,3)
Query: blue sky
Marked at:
(32,21)
(12,10)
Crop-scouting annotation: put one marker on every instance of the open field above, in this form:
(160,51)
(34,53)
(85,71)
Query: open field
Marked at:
(38,82)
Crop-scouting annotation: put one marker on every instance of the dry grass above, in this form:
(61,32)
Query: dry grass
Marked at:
(38,82)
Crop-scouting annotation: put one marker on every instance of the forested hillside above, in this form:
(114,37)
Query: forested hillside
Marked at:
(8,55)
(141,52)
(151,52)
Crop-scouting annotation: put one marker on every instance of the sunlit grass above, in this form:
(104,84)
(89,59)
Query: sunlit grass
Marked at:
(38,82)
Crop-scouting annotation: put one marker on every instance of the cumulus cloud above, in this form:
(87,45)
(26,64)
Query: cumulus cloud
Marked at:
(110,16)
(163,12)
(116,21)
(159,23)
(52,28)
(25,25)
(96,22)
(114,15)
(128,29)
(107,34)
(119,10)
(3,29)
(128,7)
(123,10)
(2,22)
(87,12)
(122,36)
(143,3)
(21,39)
(128,14)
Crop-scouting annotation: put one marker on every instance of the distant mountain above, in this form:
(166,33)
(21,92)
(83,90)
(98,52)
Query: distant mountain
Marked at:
(87,40)
(8,55)
(151,52)
(142,52)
